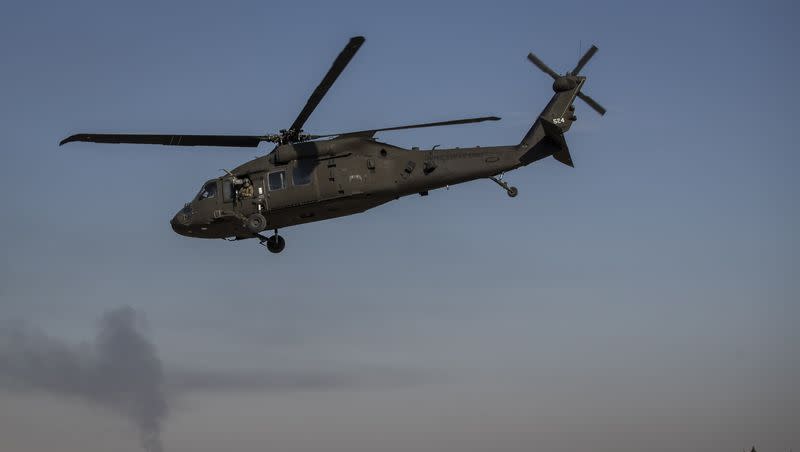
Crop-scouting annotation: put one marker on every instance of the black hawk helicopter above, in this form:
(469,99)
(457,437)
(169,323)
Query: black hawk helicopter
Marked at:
(309,178)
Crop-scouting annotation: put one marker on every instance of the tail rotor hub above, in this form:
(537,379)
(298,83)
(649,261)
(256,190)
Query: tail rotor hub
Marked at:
(571,79)
(565,83)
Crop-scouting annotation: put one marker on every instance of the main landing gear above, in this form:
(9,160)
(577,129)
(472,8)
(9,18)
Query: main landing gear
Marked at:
(256,223)
(511,191)
(274,244)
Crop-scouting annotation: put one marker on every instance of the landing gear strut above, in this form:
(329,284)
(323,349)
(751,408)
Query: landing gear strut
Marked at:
(274,244)
(511,191)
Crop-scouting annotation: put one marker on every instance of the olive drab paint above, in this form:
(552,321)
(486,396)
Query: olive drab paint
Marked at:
(309,178)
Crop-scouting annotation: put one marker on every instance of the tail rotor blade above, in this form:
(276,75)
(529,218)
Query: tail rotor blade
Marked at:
(592,103)
(584,59)
(544,68)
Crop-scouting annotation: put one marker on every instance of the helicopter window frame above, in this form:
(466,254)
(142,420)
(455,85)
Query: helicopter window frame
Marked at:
(227,190)
(276,183)
(207,192)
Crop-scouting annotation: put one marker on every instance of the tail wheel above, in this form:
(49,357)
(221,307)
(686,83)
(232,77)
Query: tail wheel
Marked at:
(256,223)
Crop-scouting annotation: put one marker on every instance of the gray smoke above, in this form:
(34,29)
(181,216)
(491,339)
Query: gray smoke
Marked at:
(120,370)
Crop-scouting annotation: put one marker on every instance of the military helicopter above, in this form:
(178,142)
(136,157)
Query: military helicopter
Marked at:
(308,178)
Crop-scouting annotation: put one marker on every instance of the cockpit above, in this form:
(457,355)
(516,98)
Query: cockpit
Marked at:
(216,211)
(188,220)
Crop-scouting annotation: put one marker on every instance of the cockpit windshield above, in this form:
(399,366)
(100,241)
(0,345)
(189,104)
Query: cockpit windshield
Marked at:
(208,191)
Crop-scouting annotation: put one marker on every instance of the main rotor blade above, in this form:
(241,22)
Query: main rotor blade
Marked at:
(540,64)
(247,141)
(584,59)
(333,73)
(411,126)
(592,103)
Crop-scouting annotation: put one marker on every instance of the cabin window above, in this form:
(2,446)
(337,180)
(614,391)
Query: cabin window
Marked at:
(209,190)
(277,180)
(301,174)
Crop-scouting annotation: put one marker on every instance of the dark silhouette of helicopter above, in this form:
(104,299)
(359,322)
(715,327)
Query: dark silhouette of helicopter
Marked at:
(309,178)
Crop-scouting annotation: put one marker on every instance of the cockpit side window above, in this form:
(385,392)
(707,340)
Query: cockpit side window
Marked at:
(277,180)
(209,190)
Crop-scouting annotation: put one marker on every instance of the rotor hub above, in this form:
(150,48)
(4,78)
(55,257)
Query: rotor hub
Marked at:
(565,83)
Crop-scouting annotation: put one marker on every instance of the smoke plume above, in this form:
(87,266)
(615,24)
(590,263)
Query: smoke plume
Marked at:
(120,370)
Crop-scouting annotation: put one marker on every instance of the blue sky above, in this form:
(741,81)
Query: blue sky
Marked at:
(647,297)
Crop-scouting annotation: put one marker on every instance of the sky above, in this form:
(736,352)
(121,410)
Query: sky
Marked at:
(647,299)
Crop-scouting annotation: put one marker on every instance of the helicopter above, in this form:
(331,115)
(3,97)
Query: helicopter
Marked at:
(307,178)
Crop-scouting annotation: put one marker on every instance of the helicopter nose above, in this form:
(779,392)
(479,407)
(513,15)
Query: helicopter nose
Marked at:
(181,222)
(176,224)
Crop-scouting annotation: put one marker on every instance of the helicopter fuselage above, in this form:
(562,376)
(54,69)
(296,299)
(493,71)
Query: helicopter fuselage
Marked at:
(318,180)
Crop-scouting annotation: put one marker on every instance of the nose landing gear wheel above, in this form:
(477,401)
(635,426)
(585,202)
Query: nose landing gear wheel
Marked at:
(275,244)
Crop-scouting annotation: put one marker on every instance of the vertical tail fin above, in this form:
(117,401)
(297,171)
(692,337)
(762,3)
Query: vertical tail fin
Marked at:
(546,135)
